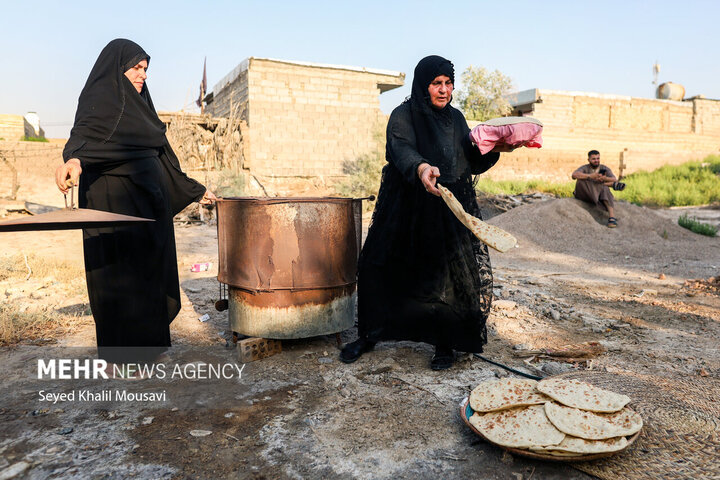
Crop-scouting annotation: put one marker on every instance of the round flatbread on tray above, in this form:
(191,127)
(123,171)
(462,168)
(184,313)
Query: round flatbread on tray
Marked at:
(584,396)
(503,393)
(592,425)
(573,446)
(520,427)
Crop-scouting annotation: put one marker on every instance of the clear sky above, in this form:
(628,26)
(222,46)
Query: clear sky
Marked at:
(49,47)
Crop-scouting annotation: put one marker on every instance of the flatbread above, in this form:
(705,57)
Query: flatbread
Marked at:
(574,445)
(591,425)
(500,121)
(584,396)
(490,235)
(504,393)
(520,427)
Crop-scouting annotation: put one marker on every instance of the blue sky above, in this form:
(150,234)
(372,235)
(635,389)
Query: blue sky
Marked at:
(49,47)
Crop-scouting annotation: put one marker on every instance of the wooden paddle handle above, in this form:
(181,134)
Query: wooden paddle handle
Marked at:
(69,183)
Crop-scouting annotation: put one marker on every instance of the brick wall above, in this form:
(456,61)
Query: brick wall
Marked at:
(12,127)
(644,133)
(304,120)
(23,163)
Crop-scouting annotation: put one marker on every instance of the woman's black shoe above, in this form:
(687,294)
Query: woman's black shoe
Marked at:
(443,359)
(354,350)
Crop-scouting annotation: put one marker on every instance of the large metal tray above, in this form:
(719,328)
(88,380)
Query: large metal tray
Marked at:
(69,219)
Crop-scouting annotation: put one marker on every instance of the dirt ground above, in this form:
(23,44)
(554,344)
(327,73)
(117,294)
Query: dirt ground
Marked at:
(304,414)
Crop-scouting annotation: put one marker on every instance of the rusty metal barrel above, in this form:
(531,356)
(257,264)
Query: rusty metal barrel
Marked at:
(290,264)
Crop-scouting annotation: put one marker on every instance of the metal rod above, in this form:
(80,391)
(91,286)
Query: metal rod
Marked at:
(510,369)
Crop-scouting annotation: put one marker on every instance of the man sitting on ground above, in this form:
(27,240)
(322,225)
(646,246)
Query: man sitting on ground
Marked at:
(593,185)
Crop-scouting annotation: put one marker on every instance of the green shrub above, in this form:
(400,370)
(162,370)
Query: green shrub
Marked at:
(692,183)
(364,173)
(230,184)
(33,139)
(694,225)
(516,187)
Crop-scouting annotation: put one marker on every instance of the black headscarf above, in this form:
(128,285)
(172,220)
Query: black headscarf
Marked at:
(115,125)
(110,110)
(431,124)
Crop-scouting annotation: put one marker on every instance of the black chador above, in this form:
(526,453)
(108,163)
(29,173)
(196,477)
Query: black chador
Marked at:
(128,167)
(423,276)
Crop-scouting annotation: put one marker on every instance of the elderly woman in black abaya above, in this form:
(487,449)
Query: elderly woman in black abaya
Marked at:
(120,155)
(422,275)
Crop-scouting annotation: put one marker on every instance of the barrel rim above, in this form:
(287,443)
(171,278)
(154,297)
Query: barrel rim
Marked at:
(276,200)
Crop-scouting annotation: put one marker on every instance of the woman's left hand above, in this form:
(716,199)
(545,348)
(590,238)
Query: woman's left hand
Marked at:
(505,147)
(208,198)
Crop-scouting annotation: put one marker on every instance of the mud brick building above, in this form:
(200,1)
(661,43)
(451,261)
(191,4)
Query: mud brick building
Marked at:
(639,133)
(303,119)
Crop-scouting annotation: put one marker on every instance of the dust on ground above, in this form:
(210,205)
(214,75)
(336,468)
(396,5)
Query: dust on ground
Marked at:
(303,414)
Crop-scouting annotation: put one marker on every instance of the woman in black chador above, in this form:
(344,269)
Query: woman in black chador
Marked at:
(423,276)
(118,151)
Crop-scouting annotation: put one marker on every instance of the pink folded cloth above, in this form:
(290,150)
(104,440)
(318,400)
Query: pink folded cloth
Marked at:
(487,136)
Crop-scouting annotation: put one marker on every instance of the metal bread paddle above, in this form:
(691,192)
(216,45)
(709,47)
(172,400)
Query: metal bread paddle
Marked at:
(69,218)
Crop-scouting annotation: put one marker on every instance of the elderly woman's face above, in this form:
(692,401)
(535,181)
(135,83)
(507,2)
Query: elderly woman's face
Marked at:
(137,75)
(440,91)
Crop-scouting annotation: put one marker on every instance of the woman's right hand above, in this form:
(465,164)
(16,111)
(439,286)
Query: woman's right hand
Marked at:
(428,176)
(68,174)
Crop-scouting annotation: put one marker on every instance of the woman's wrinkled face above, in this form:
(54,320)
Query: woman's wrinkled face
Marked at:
(440,91)
(137,75)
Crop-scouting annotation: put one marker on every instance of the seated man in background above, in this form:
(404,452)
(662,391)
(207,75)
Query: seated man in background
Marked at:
(593,185)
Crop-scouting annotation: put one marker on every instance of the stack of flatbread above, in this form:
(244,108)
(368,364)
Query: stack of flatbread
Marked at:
(565,418)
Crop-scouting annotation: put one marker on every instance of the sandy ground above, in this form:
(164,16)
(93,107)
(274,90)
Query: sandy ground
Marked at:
(303,414)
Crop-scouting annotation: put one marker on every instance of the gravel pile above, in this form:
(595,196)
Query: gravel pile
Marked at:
(643,238)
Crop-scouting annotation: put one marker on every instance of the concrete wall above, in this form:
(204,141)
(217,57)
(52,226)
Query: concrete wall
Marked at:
(12,127)
(22,163)
(304,119)
(645,134)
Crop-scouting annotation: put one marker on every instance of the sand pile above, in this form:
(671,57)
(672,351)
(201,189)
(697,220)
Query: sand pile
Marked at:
(643,238)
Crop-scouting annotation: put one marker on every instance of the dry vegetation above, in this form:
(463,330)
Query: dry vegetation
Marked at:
(205,143)
(43,299)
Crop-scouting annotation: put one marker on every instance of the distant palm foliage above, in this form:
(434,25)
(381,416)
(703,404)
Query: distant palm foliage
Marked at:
(482,95)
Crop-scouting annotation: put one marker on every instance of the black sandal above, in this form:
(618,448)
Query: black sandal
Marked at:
(612,222)
(443,359)
(354,350)
(619,186)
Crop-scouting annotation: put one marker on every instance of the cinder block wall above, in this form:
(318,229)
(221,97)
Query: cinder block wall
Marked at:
(12,127)
(23,162)
(304,120)
(231,100)
(308,120)
(645,133)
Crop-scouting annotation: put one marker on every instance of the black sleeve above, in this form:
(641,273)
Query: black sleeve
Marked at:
(401,144)
(183,190)
(479,163)
(72,146)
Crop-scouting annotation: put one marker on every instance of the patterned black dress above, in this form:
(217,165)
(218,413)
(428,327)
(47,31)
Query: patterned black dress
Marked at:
(423,276)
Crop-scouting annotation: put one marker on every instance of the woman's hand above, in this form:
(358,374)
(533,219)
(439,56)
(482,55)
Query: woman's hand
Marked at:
(505,147)
(208,198)
(68,174)
(428,176)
